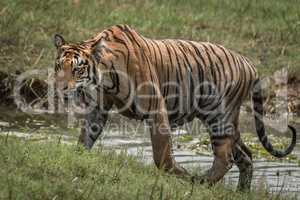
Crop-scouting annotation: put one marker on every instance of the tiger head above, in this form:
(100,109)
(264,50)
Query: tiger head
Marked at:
(91,67)
(74,65)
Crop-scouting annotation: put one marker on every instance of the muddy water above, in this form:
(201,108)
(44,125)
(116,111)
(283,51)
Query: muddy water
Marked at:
(125,135)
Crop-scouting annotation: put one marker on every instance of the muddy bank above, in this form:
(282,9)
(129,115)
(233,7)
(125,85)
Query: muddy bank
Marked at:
(30,91)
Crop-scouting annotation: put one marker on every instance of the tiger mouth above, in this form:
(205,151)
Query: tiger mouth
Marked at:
(80,97)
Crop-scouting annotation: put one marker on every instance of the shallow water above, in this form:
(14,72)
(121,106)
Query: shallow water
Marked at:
(130,136)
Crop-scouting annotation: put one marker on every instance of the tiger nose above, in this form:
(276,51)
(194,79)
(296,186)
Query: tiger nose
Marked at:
(60,75)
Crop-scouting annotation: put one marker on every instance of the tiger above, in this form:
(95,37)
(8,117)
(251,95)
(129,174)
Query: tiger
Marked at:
(167,83)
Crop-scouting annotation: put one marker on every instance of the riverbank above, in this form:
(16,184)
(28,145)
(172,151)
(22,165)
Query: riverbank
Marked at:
(51,170)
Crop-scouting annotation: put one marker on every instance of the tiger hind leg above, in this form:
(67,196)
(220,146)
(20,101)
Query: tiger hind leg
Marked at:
(243,160)
(223,139)
(222,149)
(222,146)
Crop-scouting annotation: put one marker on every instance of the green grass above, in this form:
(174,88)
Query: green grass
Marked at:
(32,170)
(266,31)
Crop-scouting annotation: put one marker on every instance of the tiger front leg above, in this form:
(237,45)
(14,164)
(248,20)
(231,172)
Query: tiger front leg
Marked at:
(92,127)
(162,150)
(162,144)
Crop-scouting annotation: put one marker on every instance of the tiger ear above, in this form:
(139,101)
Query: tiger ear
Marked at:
(58,40)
